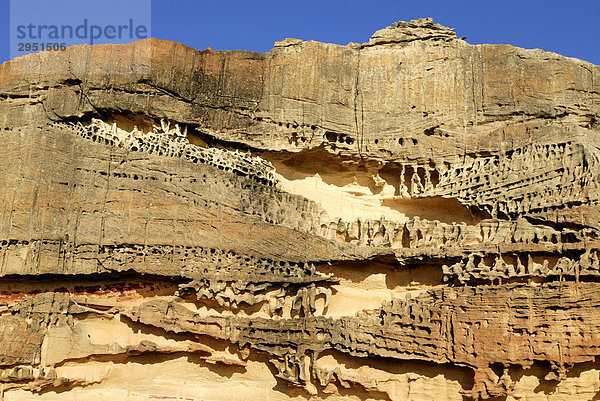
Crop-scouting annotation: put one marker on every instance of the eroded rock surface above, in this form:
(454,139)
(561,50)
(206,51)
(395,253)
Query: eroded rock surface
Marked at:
(412,218)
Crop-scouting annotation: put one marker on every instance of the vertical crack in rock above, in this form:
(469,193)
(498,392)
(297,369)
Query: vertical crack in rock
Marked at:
(405,217)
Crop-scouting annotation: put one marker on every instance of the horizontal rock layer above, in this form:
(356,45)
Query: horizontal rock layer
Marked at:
(410,218)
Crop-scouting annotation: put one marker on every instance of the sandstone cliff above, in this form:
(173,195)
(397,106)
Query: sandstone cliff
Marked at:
(411,218)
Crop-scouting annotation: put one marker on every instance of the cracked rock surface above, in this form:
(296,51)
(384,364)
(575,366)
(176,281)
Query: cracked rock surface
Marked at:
(411,218)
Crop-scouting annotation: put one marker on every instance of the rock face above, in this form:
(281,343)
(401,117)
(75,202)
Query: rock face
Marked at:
(413,218)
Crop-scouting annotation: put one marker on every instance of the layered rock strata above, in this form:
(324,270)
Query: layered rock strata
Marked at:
(370,221)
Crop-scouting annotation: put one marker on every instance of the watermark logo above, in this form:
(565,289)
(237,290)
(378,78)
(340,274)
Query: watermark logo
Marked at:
(54,25)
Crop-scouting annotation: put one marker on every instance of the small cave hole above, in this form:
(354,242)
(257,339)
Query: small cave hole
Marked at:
(435,178)
(408,173)
(330,136)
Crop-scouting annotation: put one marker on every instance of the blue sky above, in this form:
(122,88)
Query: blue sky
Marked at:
(565,27)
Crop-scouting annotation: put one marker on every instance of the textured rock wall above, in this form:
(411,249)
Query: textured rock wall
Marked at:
(413,218)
